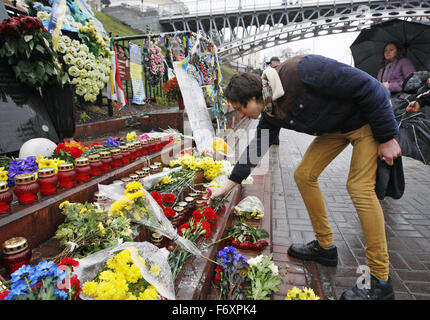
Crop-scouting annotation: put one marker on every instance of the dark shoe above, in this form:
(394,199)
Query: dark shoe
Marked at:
(313,251)
(377,291)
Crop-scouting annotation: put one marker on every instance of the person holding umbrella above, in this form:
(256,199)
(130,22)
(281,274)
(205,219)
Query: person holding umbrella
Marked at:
(396,68)
(421,100)
(340,105)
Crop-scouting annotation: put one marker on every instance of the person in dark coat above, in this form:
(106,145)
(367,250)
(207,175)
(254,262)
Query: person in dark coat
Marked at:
(421,100)
(339,105)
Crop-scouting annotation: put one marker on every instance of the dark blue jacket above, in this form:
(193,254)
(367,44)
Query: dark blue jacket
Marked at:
(336,97)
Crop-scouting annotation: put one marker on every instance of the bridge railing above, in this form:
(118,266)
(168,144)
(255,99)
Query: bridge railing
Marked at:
(207,7)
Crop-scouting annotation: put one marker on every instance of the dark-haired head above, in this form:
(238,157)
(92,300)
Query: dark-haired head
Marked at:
(242,87)
(392,46)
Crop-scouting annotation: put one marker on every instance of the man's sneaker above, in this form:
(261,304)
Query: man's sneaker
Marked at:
(313,251)
(377,291)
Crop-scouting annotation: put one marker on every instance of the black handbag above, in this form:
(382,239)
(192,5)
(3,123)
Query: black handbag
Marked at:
(390,180)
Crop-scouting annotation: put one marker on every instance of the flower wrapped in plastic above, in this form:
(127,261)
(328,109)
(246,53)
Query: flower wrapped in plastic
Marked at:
(138,204)
(250,208)
(129,271)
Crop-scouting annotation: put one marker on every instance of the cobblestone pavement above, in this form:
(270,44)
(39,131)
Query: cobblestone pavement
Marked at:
(407,220)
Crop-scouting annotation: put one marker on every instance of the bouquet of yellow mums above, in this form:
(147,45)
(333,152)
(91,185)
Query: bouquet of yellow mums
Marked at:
(129,271)
(211,168)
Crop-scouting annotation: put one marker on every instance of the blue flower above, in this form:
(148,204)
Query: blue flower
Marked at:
(22,273)
(60,294)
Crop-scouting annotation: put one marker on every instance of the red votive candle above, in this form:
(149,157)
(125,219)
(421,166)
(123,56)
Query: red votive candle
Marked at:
(48,181)
(66,175)
(83,170)
(26,188)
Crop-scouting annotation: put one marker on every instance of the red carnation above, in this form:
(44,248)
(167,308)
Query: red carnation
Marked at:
(68,261)
(169,212)
(185,226)
(209,214)
(197,215)
(3,294)
(60,147)
(95,144)
(206,226)
(169,198)
(156,195)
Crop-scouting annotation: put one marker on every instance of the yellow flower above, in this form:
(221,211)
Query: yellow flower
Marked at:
(131,136)
(133,186)
(3,174)
(83,210)
(149,294)
(101,228)
(166,180)
(220,145)
(155,270)
(297,294)
(63,204)
(90,288)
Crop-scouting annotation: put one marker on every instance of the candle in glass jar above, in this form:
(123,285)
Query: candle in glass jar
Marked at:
(26,188)
(16,253)
(48,181)
(95,165)
(66,175)
(139,147)
(132,151)
(157,240)
(6,197)
(125,154)
(106,159)
(83,170)
(144,147)
(116,158)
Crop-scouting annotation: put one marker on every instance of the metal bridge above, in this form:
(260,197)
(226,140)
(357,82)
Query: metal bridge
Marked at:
(241,27)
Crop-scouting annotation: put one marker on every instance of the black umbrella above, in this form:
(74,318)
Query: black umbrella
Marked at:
(367,49)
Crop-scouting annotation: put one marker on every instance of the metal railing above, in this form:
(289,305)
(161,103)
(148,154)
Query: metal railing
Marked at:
(213,7)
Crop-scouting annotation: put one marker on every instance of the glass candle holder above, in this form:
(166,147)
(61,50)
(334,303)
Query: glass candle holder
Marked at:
(158,240)
(116,158)
(106,159)
(95,165)
(83,170)
(151,146)
(26,188)
(66,175)
(48,181)
(134,177)
(146,171)
(125,154)
(140,174)
(181,214)
(132,151)
(16,253)
(144,147)
(138,147)
(6,197)
(154,169)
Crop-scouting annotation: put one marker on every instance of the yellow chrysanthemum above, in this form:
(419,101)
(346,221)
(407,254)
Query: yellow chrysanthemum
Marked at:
(149,294)
(155,270)
(166,180)
(220,145)
(63,204)
(3,174)
(133,186)
(90,288)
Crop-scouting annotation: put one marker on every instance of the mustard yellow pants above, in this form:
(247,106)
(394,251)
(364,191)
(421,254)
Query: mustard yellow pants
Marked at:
(360,186)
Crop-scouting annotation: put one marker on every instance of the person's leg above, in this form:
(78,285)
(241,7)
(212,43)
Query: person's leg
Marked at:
(319,154)
(361,187)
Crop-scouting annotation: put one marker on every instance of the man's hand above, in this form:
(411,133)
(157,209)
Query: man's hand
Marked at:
(219,192)
(386,85)
(414,106)
(389,151)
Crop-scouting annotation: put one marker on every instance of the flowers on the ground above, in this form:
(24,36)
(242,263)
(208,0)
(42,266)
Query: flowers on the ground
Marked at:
(16,167)
(132,136)
(246,236)
(44,162)
(231,274)
(69,150)
(264,277)
(211,168)
(301,294)
(122,279)
(249,208)
(45,281)
(3,174)
(90,229)
(112,142)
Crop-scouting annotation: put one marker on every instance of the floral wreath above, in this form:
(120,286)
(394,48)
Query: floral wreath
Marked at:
(153,63)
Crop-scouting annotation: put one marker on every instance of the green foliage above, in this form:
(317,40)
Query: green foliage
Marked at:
(241,230)
(84,117)
(91,228)
(263,278)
